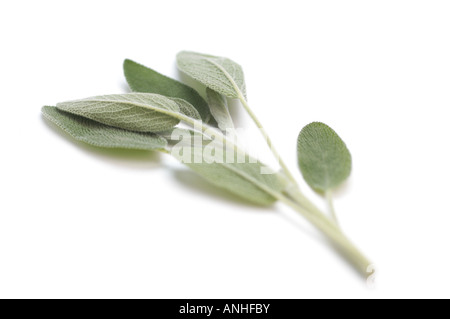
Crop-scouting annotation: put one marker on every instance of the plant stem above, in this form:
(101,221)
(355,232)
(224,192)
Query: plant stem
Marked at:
(342,243)
(297,196)
(257,122)
(329,197)
(297,201)
(267,138)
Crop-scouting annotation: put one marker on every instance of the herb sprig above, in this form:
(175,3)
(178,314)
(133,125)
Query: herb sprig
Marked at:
(150,118)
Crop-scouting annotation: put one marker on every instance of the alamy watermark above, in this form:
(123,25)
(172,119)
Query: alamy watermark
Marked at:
(211,146)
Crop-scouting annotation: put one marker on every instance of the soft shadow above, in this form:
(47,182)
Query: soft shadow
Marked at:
(343,189)
(133,159)
(323,239)
(125,87)
(345,258)
(197,184)
(193,182)
(297,224)
(340,191)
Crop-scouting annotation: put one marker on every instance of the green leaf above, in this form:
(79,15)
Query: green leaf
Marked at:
(237,173)
(219,109)
(187,109)
(140,112)
(100,135)
(219,74)
(146,80)
(323,157)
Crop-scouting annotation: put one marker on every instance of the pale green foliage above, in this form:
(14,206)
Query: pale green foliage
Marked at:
(242,176)
(140,112)
(323,157)
(146,80)
(148,121)
(219,74)
(187,109)
(243,180)
(100,135)
(219,109)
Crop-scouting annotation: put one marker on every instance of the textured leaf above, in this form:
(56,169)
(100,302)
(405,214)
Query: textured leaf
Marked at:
(241,177)
(140,112)
(219,74)
(146,80)
(219,109)
(100,135)
(324,159)
(187,109)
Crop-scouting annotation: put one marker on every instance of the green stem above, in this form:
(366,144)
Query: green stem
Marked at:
(297,196)
(342,243)
(257,122)
(297,201)
(267,138)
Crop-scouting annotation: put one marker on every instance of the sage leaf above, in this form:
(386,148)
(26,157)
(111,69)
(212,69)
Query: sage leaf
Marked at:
(219,109)
(219,74)
(323,157)
(237,173)
(100,135)
(187,109)
(140,112)
(145,80)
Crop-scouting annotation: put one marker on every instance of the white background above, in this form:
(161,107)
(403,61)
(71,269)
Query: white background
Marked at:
(80,222)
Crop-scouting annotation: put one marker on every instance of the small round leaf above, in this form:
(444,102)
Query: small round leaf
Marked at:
(323,157)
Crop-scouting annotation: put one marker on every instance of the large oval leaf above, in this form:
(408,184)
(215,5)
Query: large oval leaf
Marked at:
(237,173)
(140,112)
(219,74)
(100,135)
(146,80)
(323,157)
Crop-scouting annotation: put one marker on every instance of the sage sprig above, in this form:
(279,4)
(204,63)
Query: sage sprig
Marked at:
(154,117)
